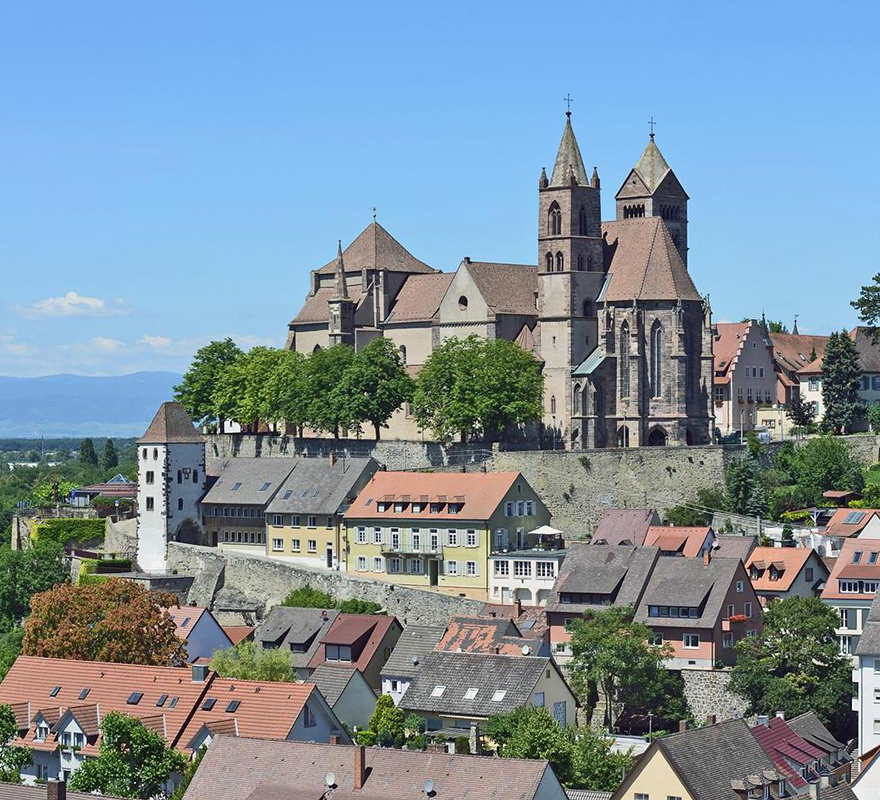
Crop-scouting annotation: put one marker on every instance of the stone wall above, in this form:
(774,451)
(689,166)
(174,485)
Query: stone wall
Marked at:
(260,583)
(707,692)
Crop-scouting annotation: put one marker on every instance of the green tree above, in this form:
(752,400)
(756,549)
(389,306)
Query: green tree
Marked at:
(740,480)
(776,326)
(475,387)
(243,390)
(788,536)
(868,305)
(387,725)
(87,454)
(800,412)
(595,765)
(288,392)
(825,463)
(841,378)
(10,648)
(24,573)
(376,384)
(796,665)
(109,458)
(196,390)
(615,657)
(329,409)
(247,662)
(134,761)
(50,493)
(873,417)
(308,597)
(12,758)
(228,389)
(357,606)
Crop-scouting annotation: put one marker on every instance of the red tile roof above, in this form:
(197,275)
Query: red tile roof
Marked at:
(619,525)
(837,525)
(350,628)
(171,424)
(238,633)
(845,569)
(682,538)
(781,743)
(185,619)
(728,342)
(789,561)
(473,635)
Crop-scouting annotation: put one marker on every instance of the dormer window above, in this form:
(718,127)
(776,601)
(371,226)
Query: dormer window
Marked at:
(435,508)
(381,506)
(42,732)
(339,652)
(454,508)
(398,508)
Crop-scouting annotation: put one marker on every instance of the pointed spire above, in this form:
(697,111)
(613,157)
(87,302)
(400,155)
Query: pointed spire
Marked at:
(542,181)
(341,290)
(652,167)
(569,163)
(794,329)
(594,181)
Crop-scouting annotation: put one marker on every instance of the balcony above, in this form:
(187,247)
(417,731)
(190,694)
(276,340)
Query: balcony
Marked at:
(404,548)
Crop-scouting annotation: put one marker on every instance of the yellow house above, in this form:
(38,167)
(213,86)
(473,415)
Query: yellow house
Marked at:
(438,529)
(718,761)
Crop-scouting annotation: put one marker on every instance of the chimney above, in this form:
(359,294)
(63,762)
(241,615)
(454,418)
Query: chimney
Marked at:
(710,719)
(815,791)
(199,673)
(780,715)
(682,725)
(518,605)
(332,459)
(334,738)
(707,557)
(360,766)
(324,615)
(56,790)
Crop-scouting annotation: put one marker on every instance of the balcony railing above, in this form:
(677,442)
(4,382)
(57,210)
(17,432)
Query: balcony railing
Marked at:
(408,548)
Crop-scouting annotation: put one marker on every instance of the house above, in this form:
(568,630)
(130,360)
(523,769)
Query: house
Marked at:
(200,630)
(779,572)
(239,633)
(837,758)
(363,640)
(717,762)
(526,576)
(414,644)
(59,706)
(869,391)
(299,630)
(866,676)
(592,578)
(455,691)
(680,540)
(701,607)
(851,588)
(234,508)
(624,526)
(493,635)
(744,374)
(347,692)
(731,545)
(439,529)
(531,620)
(791,352)
(304,519)
(255,769)
(849,523)
(117,488)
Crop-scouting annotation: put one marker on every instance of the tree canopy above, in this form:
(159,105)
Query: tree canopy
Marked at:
(309,597)
(24,573)
(115,620)
(12,757)
(387,725)
(87,454)
(196,390)
(841,378)
(134,761)
(796,665)
(868,305)
(247,662)
(109,458)
(800,412)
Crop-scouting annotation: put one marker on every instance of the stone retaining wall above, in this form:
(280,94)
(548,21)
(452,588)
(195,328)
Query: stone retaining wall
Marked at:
(707,692)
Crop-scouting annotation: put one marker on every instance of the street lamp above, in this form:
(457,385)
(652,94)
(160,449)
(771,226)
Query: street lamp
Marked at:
(741,412)
(650,723)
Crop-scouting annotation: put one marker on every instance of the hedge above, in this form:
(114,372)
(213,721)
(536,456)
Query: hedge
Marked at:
(65,531)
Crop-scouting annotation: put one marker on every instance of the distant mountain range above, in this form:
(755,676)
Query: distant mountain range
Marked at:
(76,405)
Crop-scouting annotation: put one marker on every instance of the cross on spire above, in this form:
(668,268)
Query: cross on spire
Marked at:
(373,209)
(652,123)
(568,101)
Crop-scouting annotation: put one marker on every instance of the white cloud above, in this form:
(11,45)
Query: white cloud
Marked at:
(106,344)
(155,341)
(74,305)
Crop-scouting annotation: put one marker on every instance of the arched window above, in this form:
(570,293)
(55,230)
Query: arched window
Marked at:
(576,404)
(560,262)
(582,221)
(316,348)
(402,350)
(624,360)
(553,404)
(656,359)
(580,263)
(589,263)
(588,308)
(549,259)
(554,219)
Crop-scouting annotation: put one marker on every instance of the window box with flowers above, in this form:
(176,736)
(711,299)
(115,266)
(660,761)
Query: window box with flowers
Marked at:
(738,618)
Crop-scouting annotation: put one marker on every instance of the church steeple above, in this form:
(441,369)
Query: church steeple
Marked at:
(340,306)
(340,290)
(568,159)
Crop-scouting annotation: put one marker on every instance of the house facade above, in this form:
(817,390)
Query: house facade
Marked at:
(851,588)
(525,576)
(199,628)
(780,572)
(414,644)
(437,530)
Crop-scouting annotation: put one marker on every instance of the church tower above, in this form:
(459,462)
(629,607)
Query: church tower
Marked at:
(341,307)
(570,276)
(652,190)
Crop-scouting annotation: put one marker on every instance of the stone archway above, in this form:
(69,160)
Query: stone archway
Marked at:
(188,532)
(657,437)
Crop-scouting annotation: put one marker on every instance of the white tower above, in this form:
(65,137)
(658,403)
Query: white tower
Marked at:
(171,481)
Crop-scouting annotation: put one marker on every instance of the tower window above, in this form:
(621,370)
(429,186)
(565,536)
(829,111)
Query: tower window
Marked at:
(554,220)
(589,263)
(560,262)
(553,404)
(580,263)
(402,350)
(549,260)
(588,308)
(656,358)
(463,303)
(624,360)
(582,221)
(634,212)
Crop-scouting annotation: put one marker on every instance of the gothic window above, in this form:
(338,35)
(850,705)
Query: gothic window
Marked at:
(560,262)
(624,360)
(588,308)
(316,348)
(553,404)
(580,263)
(402,349)
(577,398)
(549,260)
(582,222)
(554,221)
(589,263)
(656,358)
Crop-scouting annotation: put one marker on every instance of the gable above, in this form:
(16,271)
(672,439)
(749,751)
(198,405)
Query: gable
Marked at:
(476,307)
(654,774)
(632,187)
(671,186)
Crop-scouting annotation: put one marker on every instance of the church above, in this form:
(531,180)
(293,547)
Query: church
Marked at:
(609,310)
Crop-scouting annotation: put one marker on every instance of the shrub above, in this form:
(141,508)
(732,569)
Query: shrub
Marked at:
(307,597)
(462,745)
(65,531)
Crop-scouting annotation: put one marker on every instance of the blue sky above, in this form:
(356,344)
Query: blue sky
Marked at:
(170,172)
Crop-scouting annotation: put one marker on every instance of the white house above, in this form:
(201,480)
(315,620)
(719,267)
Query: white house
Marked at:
(414,644)
(524,575)
(200,630)
(866,675)
(171,481)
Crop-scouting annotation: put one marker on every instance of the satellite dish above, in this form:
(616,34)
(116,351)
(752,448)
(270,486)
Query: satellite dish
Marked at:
(330,779)
(429,787)
(526,650)
(415,659)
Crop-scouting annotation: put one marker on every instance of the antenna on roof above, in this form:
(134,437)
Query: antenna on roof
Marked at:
(415,660)
(429,787)
(526,650)
(330,780)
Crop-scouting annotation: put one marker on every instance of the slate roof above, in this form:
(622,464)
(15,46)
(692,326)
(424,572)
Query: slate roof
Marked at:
(568,160)
(506,288)
(297,771)
(731,545)
(416,640)
(171,425)
(709,758)
(808,726)
(643,263)
(869,642)
(318,487)
(331,681)
(419,298)
(619,525)
(587,794)
(375,248)
(250,474)
(691,583)
(316,308)
(286,627)
(594,568)
(458,672)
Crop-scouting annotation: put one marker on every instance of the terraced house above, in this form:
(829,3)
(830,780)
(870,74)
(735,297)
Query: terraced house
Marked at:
(439,529)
